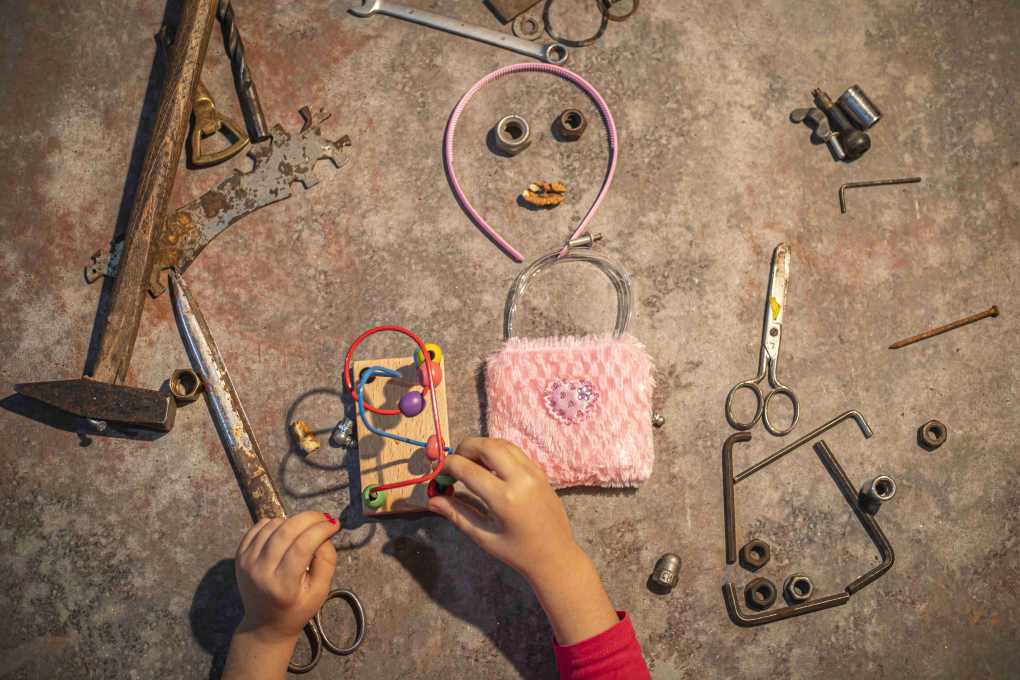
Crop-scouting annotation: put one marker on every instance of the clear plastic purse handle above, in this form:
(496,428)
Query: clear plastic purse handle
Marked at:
(608,265)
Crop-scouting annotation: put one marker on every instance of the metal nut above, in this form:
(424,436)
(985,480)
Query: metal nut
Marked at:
(933,434)
(667,570)
(571,124)
(513,135)
(658,420)
(760,593)
(798,588)
(185,384)
(528,26)
(756,554)
(876,492)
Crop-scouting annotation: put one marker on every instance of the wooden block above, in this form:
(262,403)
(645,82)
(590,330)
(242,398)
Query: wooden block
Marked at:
(386,460)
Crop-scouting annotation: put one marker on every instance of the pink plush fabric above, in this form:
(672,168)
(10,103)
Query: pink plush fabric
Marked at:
(579,407)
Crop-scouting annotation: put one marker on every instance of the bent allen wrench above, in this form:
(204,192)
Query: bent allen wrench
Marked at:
(259,488)
(768,357)
(554,53)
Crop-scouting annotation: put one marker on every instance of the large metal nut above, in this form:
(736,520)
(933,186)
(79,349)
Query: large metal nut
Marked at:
(571,124)
(756,554)
(667,570)
(760,593)
(185,384)
(933,434)
(798,588)
(513,135)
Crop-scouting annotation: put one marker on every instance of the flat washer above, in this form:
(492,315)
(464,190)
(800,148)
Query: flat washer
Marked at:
(528,26)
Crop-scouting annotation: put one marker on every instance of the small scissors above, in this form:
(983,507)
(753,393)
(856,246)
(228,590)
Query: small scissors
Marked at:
(769,356)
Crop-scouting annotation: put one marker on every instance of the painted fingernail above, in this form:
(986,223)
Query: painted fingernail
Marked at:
(328,516)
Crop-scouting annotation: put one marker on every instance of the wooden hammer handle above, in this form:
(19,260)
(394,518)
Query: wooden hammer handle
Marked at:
(127,299)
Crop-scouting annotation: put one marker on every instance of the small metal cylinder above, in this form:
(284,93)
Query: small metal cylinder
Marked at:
(876,492)
(862,111)
(667,570)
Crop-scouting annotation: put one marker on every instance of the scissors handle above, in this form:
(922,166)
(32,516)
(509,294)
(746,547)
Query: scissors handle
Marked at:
(780,389)
(759,397)
(318,639)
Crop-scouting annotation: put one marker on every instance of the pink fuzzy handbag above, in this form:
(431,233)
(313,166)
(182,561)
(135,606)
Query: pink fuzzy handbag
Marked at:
(579,407)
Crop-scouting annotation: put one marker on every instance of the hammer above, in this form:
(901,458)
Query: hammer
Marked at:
(103,397)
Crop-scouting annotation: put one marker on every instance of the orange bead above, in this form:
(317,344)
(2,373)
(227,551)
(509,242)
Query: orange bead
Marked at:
(437,375)
(432,446)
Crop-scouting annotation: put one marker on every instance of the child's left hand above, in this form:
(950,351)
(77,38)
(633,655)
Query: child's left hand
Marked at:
(284,568)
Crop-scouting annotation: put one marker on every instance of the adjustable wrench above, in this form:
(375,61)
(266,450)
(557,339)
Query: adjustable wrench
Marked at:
(553,54)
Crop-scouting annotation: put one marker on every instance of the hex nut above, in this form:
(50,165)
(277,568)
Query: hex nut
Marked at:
(756,554)
(760,593)
(798,588)
(571,124)
(185,384)
(933,434)
(667,570)
(513,135)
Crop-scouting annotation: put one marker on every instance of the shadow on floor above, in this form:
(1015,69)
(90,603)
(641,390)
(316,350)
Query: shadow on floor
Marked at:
(216,610)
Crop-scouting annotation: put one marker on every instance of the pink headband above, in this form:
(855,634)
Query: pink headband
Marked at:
(517,68)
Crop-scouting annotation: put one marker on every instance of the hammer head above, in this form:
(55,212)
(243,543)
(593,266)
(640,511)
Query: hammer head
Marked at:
(106,401)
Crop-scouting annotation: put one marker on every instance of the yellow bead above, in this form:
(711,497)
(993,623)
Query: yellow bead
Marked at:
(434,352)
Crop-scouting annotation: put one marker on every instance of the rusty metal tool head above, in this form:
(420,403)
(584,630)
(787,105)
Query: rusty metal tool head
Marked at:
(106,402)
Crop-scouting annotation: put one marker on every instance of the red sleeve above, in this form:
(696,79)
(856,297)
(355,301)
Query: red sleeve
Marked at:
(613,654)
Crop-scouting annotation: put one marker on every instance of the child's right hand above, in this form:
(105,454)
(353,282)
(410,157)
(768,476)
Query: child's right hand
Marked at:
(527,528)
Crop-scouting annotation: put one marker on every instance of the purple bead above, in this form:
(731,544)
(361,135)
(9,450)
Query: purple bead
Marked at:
(411,404)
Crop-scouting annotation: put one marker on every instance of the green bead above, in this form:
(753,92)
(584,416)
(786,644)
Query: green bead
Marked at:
(373,499)
(445,480)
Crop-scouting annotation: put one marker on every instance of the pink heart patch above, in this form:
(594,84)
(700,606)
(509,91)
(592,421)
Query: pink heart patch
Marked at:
(571,400)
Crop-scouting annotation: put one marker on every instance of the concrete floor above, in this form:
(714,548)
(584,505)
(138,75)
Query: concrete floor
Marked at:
(115,553)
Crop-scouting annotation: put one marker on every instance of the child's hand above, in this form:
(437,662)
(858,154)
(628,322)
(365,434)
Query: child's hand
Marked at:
(284,568)
(527,528)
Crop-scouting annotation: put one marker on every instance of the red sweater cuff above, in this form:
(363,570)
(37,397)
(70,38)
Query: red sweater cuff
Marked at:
(613,654)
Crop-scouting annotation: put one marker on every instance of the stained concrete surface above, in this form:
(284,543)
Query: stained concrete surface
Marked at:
(115,552)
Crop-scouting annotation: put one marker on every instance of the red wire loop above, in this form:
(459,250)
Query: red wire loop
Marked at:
(429,390)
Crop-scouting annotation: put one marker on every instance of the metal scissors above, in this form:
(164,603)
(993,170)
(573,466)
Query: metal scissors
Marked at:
(772,333)
(259,488)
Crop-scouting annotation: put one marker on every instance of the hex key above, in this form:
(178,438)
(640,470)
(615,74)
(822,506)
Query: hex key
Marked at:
(829,601)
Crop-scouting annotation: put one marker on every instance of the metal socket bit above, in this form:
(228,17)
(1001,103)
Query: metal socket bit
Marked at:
(862,111)
(667,570)
(876,492)
(798,588)
(513,135)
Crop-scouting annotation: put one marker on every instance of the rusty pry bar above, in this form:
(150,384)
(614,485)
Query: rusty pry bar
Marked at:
(868,521)
(875,183)
(286,159)
(994,311)
(260,491)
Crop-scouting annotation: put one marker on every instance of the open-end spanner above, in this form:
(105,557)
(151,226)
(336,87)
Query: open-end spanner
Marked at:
(554,53)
